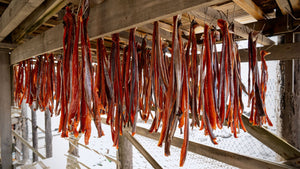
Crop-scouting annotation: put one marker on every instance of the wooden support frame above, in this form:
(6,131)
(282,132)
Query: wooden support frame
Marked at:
(251,8)
(284,6)
(15,13)
(38,17)
(124,19)
(28,145)
(281,52)
(230,158)
(141,149)
(210,16)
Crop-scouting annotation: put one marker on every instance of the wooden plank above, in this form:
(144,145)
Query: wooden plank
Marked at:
(28,145)
(15,13)
(118,15)
(230,158)
(217,154)
(210,16)
(277,144)
(39,16)
(278,52)
(5,111)
(141,149)
(8,45)
(284,6)
(251,8)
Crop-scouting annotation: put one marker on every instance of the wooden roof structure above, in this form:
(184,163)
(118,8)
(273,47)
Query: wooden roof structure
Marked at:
(29,28)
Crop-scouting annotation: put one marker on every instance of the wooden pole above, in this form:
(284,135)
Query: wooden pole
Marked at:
(124,153)
(34,135)
(25,150)
(288,115)
(297,95)
(48,134)
(73,145)
(5,111)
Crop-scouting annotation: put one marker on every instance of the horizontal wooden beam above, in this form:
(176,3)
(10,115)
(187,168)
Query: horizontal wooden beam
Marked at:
(210,16)
(227,157)
(8,45)
(15,13)
(280,146)
(107,18)
(251,8)
(27,144)
(287,51)
(284,6)
(142,150)
(39,16)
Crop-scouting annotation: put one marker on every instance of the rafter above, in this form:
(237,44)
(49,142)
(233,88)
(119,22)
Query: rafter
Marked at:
(211,16)
(38,17)
(124,19)
(15,13)
(251,8)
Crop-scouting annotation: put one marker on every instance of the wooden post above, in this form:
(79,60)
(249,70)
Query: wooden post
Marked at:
(73,145)
(18,143)
(34,135)
(289,121)
(5,111)
(25,150)
(124,153)
(297,95)
(48,134)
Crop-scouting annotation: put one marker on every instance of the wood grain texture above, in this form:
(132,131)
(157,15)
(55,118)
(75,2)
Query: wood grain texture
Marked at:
(107,18)
(251,8)
(15,13)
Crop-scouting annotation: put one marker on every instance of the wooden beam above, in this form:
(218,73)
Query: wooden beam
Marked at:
(278,52)
(141,149)
(125,18)
(28,144)
(227,157)
(280,146)
(251,8)
(124,153)
(39,16)
(210,16)
(25,150)
(15,13)
(8,45)
(284,6)
(5,111)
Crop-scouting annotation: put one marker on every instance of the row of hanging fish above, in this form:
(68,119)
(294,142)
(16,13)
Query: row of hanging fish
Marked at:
(144,82)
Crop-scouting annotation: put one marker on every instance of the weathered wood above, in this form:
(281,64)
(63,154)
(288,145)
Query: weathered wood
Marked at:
(8,45)
(25,150)
(288,116)
(18,143)
(278,52)
(15,13)
(5,111)
(283,6)
(124,153)
(141,149)
(105,21)
(48,134)
(210,16)
(277,144)
(34,150)
(39,16)
(297,95)
(34,135)
(73,145)
(251,8)
(230,158)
